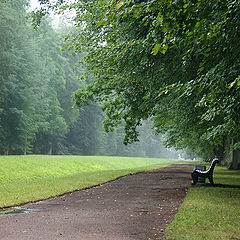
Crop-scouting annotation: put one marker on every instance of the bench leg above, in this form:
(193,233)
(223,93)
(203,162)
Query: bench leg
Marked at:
(211,180)
(194,178)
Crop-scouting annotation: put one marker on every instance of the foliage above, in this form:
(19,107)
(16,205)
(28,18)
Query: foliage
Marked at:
(56,113)
(18,86)
(176,62)
(36,84)
(38,77)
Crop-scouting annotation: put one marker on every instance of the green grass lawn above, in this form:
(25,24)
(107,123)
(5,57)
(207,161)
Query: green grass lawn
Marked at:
(210,212)
(207,212)
(30,178)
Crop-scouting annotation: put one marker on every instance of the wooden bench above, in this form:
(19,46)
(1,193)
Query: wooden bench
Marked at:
(204,174)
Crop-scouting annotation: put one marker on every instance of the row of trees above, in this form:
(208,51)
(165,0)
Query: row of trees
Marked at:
(33,83)
(37,81)
(176,62)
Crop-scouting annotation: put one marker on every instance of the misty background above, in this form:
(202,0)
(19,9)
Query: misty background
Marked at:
(38,77)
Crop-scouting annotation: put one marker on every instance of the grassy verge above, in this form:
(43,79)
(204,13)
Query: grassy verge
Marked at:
(30,178)
(210,212)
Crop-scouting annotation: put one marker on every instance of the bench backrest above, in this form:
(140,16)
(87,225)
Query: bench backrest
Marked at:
(211,168)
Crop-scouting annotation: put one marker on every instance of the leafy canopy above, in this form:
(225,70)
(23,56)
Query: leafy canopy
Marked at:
(176,62)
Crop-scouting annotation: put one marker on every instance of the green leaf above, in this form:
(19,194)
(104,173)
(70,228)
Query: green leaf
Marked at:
(238,80)
(164,49)
(156,49)
(100,22)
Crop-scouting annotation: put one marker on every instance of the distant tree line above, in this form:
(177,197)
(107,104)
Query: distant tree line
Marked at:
(37,81)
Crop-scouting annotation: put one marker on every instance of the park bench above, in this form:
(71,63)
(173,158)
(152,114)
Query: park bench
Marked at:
(204,174)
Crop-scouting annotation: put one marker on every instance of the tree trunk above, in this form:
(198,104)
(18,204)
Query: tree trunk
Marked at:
(227,153)
(5,152)
(235,159)
(230,158)
(235,164)
(50,148)
(219,153)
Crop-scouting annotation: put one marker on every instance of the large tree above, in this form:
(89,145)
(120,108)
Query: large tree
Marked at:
(18,124)
(35,82)
(176,62)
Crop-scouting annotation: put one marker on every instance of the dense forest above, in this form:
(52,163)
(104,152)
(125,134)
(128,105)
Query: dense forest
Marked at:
(37,80)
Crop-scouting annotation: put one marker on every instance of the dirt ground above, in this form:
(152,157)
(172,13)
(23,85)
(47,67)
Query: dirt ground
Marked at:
(134,207)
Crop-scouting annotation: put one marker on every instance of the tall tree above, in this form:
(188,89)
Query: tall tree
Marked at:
(54,116)
(18,125)
(176,62)
(34,110)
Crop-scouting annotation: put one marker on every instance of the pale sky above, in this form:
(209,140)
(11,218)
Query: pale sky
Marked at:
(34,4)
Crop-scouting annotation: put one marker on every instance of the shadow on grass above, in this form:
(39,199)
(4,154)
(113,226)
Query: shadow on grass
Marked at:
(226,185)
(219,185)
(227,172)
